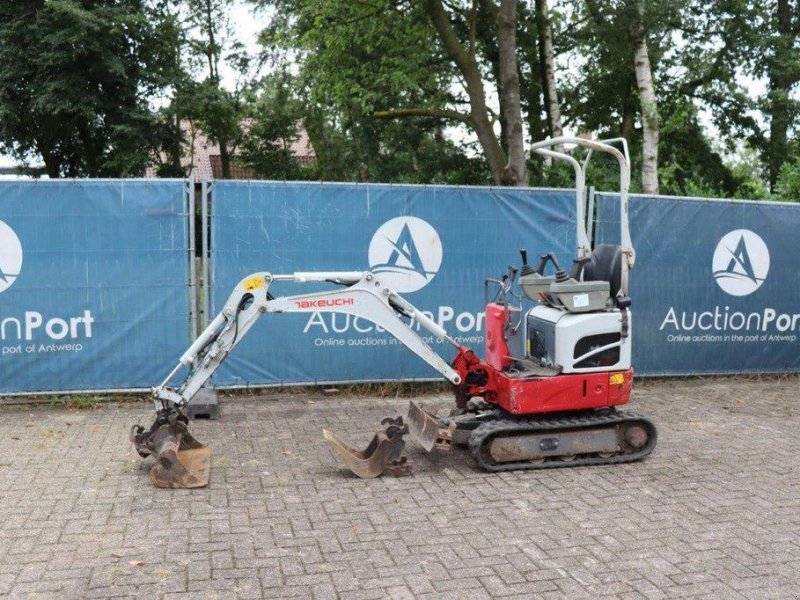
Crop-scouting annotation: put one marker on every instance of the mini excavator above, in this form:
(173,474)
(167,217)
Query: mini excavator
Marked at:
(545,395)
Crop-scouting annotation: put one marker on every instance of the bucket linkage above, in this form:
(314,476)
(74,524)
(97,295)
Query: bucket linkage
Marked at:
(181,460)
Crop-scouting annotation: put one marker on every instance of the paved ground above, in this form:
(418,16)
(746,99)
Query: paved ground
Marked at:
(714,512)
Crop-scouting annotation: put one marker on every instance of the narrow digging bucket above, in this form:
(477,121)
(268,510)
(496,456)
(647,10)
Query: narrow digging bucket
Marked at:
(366,464)
(384,453)
(181,461)
(423,426)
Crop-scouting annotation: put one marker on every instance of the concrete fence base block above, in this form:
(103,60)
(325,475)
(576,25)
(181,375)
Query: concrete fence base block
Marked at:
(205,404)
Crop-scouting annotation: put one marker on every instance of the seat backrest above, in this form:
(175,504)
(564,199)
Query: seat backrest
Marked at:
(605,264)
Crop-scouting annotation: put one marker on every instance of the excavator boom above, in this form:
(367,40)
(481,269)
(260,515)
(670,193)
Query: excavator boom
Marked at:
(182,461)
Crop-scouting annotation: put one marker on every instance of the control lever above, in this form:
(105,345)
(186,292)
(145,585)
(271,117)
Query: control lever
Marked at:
(512,275)
(543,260)
(577,267)
(526,268)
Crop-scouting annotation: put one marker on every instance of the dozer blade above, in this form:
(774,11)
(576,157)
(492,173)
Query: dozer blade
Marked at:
(383,454)
(422,426)
(181,461)
(426,429)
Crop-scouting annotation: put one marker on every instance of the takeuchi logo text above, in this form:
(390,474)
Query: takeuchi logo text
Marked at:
(324,303)
(407,254)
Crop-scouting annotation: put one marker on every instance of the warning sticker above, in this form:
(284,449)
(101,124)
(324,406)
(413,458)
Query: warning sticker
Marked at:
(253,283)
(580,300)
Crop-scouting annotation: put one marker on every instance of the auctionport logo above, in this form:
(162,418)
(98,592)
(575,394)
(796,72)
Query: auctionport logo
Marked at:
(10,256)
(406,252)
(741,262)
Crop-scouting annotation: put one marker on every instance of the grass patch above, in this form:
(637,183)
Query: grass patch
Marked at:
(387,389)
(79,401)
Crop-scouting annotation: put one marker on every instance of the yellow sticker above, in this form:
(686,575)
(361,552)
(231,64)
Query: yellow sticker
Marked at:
(253,283)
(616,379)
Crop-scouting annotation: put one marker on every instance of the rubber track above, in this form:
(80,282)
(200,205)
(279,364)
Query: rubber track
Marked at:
(482,435)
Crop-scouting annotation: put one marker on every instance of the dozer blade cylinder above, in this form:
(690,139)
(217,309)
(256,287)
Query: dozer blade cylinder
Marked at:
(181,461)
(422,426)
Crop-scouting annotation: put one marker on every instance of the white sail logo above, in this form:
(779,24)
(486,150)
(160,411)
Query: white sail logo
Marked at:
(741,262)
(406,252)
(10,257)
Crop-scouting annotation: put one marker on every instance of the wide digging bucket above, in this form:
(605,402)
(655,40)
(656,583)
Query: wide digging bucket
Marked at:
(383,454)
(181,461)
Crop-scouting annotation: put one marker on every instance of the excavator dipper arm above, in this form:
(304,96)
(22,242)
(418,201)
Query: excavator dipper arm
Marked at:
(363,295)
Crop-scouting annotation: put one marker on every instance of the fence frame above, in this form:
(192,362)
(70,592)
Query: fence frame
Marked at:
(188,210)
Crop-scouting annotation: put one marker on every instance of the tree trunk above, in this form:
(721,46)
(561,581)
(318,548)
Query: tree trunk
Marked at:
(548,71)
(177,146)
(468,67)
(225,160)
(628,110)
(213,51)
(781,80)
(515,172)
(647,97)
(51,165)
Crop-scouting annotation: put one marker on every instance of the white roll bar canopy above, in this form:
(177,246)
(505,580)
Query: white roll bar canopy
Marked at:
(545,148)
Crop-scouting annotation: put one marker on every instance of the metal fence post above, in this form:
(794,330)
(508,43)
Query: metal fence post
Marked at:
(590,216)
(205,404)
(193,287)
(206,249)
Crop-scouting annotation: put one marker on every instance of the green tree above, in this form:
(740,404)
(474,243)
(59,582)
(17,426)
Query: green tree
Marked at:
(619,44)
(276,115)
(788,184)
(411,60)
(730,48)
(215,109)
(780,64)
(75,78)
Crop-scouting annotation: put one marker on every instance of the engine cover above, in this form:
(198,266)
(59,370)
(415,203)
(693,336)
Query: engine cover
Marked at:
(578,342)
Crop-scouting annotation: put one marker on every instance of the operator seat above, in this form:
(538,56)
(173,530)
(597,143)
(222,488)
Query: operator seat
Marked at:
(605,264)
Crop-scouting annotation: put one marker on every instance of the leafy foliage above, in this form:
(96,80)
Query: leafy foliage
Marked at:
(98,87)
(789,181)
(75,79)
(267,145)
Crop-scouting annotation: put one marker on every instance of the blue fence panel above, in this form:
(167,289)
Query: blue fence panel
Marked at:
(93,284)
(434,244)
(715,288)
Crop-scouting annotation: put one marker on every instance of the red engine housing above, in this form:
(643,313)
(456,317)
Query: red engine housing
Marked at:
(492,380)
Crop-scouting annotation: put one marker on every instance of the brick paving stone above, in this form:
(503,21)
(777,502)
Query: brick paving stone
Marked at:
(712,513)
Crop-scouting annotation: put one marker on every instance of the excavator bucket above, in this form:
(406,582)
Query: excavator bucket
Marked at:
(384,453)
(181,461)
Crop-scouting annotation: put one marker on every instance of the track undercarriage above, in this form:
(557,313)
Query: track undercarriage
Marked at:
(586,438)
(500,441)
